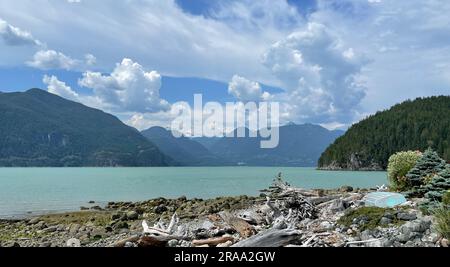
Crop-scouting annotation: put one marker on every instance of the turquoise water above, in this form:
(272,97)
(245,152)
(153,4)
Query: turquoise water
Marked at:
(31,191)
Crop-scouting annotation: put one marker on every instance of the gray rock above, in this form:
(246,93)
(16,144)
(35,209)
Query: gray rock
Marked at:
(73,243)
(403,237)
(366,235)
(416,226)
(116,216)
(45,245)
(51,229)
(40,225)
(385,221)
(326,225)
(387,242)
(74,228)
(405,216)
(172,243)
(160,209)
(34,221)
(338,205)
(132,215)
(130,245)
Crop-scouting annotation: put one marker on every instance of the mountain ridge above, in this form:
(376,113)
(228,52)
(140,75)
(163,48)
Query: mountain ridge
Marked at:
(40,129)
(411,125)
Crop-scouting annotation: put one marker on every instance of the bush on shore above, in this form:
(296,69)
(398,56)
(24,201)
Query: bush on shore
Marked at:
(399,166)
(442,216)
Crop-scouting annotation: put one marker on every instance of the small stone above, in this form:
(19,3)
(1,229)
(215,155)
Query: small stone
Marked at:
(45,245)
(385,221)
(130,245)
(116,216)
(444,242)
(51,229)
(338,205)
(404,216)
(73,243)
(160,209)
(172,243)
(132,215)
(349,232)
(366,235)
(346,189)
(92,202)
(34,221)
(73,229)
(326,225)
(41,225)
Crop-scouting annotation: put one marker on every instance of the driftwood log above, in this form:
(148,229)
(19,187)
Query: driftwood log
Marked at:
(238,224)
(270,238)
(213,241)
(123,242)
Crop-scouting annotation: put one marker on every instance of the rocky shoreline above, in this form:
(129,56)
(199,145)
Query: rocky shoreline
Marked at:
(281,216)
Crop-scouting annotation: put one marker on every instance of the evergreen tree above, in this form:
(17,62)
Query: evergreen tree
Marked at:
(436,189)
(429,165)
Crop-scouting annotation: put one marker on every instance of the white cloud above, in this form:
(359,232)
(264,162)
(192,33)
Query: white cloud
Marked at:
(50,59)
(60,88)
(245,90)
(159,34)
(319,73)
(14,36)
(90,59)
(129,87)
(405,41)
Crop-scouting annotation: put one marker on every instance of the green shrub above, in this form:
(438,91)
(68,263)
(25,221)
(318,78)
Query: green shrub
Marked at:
(399,165)
(446,198)
(442,216)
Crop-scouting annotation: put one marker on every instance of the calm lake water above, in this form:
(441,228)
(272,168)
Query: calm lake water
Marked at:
(31,191)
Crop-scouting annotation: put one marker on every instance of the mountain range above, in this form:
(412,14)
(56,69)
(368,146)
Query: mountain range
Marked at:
(41,129)
(300,146)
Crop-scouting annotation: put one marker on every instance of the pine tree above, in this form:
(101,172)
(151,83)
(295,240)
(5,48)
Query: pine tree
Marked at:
(435,190)
(429,165)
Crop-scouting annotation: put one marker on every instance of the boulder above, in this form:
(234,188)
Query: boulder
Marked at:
(405,216)
(132,215)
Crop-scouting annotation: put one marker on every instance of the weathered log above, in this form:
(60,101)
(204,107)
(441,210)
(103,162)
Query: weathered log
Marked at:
(306,244)
(321,200)
(121,243)
(361,242)
(213,241)
(238,224)
(153,241)
(270,238)
(159,228)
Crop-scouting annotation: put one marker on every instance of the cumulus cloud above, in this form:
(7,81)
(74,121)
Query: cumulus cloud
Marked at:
(90,59)
(60,88)
(246,90)
(14,36)
(319,73)
(51,59)
(129,87)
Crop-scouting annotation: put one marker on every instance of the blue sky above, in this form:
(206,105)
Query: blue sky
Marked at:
(330,62)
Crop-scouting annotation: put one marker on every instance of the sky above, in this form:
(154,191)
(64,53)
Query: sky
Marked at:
(329,62)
